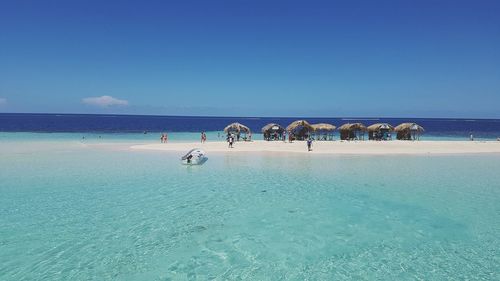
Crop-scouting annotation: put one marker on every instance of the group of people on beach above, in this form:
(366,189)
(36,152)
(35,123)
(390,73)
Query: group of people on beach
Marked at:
(275,136)
(231,138)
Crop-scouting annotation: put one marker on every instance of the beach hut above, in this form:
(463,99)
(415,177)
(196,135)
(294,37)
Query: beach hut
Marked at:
(352,131)
(238,129)
(380,131)
(300,129)
(273,131)
(323,131)
(408,131)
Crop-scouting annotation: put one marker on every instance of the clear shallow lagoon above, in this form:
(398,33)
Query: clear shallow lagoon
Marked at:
(68,212)
(153,137)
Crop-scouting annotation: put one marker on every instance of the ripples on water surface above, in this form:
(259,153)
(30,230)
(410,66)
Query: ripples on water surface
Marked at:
(83,214)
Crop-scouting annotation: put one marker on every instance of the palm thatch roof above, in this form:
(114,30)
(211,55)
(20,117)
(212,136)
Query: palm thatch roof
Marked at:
(323,127)
(272,127)
(236,127)
(409,127)
(353,127)
(380,126)
(299,123)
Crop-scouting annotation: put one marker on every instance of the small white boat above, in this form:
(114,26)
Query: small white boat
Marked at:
(195,156)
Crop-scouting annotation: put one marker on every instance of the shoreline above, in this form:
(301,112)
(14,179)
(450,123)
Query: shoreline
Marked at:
(374,148)
(334,147)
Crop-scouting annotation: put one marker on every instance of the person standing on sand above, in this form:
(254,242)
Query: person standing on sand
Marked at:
(230,140)
(203,137)
(471,137)
(309,144)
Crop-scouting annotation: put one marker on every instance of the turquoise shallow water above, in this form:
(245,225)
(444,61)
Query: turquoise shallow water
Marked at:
(77,213)
(110,137)
(152,137)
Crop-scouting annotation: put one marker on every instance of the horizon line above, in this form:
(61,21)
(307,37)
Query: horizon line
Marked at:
(347,118)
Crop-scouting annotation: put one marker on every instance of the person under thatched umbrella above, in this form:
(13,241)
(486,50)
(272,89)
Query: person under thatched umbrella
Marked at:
(352,131)
(380,131)
(299,130)
(237,128)
(408,131)
(273,131)
(323,131)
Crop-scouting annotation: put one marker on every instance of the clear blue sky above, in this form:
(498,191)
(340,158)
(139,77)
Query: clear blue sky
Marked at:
(252,58)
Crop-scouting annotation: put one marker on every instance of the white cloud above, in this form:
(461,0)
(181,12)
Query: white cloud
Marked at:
(104,101)
(3,101)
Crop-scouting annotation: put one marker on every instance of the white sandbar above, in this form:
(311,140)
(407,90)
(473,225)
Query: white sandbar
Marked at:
(336,147)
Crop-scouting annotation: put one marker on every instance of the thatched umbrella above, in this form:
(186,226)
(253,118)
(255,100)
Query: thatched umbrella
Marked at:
(298,123)
(300,129)
(379,131)
(324,129)
(237,128)
(409,131)
(351,131)
(272,129)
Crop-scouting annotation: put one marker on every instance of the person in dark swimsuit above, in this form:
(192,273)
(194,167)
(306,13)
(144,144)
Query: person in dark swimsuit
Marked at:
(309,144)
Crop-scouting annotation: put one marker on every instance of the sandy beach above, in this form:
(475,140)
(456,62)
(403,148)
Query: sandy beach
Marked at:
(336,147)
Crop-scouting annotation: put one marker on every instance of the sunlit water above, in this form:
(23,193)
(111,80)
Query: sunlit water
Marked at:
(71,212)
(154,137)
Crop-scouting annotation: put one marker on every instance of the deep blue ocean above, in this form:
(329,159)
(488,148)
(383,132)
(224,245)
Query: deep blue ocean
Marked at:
(93,123)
